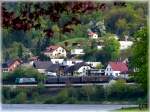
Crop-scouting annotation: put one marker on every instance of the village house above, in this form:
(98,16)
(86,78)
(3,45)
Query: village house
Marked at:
(57,61)
(54,51)
(95,72)
(48,68)
(55,70)
(77,51)
(94,64)
(117,69)
(42,66)
(79,69)
(32,59)
(71,62)
(93,35)
(11,65)
(125,44)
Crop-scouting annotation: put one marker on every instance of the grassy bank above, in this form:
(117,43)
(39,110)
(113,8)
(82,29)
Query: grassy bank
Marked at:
(114,94)
(131,109)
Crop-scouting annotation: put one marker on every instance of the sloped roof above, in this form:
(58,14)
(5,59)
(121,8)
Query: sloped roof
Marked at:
(9,63)
(75,67)
(51,48)
(91,33)
(118,66)
(53,68)
(42,64)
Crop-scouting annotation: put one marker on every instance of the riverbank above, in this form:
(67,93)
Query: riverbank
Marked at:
(132,109)
(63,107)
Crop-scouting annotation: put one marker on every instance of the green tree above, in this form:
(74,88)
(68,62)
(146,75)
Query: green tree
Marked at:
(20,51)
(139,57)
(57,31)
(88,91)
(121,20)
(24,72)
(111,48)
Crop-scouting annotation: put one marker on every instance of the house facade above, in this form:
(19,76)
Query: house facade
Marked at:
(93,35)
(71,62)
(117,69)
(125,44)
(79,69)
(42,66)
(10,65)
(57,61)
(94,64)
(77,51)
(55,52)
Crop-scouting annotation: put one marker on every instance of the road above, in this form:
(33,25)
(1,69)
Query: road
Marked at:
(59,85)
(62,107)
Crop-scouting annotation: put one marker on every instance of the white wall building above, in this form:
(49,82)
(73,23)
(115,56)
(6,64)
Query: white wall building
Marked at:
(77,51)
(82,70)
(94,64)
(125,44)
(55,61)
(117,69)
(55,52)
(71,62)
(93,35)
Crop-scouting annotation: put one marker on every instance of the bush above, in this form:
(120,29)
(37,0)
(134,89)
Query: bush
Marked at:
(24,72)
(62,96)
(21,98)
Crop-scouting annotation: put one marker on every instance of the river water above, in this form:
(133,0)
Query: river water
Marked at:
(61,107)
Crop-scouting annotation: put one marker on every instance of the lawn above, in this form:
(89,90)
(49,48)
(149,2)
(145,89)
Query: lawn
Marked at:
(131,109)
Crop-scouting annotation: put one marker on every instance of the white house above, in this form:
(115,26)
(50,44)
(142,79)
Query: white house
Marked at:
(94,64)
(93,35)
(55,52)
(99,47)
(82,71)
(77,51)
(71,62)
(56,61)
(79,69)
(117,69)
(125,44)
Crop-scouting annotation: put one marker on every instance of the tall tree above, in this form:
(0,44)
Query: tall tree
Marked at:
(20,51)
(111,47)
(139,57)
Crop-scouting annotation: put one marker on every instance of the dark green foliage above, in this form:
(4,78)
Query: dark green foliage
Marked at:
(21,73)
(111,47)
(120,90)
(21,98)
(20,51)
(139,58)
(89,94)
(124,20)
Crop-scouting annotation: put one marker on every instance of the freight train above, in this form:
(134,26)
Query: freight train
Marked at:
(75,79)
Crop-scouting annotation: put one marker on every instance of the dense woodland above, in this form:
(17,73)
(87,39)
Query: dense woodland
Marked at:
(31,27)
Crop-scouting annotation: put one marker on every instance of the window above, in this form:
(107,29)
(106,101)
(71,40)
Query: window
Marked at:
(116,74)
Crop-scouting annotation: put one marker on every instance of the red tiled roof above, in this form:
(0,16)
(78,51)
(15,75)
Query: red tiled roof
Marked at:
(91,33)
(119,66)
(51,48)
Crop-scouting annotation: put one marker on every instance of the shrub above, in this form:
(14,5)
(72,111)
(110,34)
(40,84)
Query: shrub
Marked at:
(21,98)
